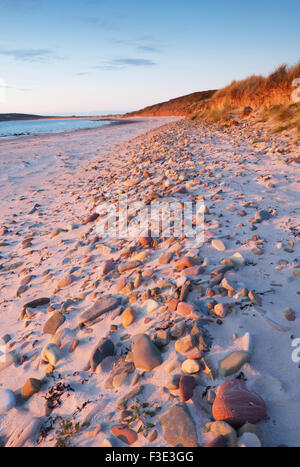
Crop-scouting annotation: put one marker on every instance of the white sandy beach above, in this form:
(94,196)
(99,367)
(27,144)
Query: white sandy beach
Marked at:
(56,181)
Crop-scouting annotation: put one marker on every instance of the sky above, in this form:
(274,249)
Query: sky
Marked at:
(97,56)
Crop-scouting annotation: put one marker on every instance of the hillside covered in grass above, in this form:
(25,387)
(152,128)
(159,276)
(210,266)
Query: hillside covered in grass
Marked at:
(271,98)
(181,106)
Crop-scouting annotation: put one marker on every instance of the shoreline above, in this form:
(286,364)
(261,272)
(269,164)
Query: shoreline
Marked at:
(50,249)
(114,121)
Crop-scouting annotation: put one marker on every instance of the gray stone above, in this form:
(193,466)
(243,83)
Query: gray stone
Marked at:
(146,355)
(178,329)
(123,367)
(233,363)
(53,323)
(179,427)
(173,382)
(128,266)
(122,403)
(100,307)
(105,348)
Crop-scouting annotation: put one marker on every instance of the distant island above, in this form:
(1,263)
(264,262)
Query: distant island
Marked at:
(20,116)
(16,116)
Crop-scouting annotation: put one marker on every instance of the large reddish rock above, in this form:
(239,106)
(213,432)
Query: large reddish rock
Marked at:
(237,405)
(125,434)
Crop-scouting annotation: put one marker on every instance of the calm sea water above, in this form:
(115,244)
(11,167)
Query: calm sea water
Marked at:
(32,127)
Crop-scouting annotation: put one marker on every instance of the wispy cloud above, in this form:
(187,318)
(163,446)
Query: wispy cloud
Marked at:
(148,48)
(121,63)
(133,62)
(29,55)
(142,44)
(98,23)
(4,86)
(83,73)
(24,5)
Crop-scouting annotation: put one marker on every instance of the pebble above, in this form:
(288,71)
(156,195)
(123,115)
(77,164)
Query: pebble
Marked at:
(185,309)
(249,440)
(187,262)
(173,382)
(228,285)
(128,317)
(51,354)
(218,245)
(190,367)
(146,355)
(233,362)
(289,314)
(64,282)
(179,427)
(221,309)
(128,266)
(223,429)
(236,404)
(120,284)
(185,344)
(104,348)
(178,329)
(53,323)
(92,315)
(108,266)
(150,305)
(187,385)
(165,258)
(31,387)
(125,434)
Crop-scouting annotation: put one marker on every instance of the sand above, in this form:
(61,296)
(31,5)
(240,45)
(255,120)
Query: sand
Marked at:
(54,181)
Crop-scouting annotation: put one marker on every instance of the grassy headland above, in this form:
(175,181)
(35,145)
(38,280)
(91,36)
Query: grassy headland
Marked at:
(265,98)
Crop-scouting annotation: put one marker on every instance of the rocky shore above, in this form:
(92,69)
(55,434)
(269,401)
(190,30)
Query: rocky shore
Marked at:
(155,341)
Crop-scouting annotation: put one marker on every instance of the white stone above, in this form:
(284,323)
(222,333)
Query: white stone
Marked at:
(247,342)
(63,337)
(150,305)
(51,353)
(218,245)
(190,366)
(237,258)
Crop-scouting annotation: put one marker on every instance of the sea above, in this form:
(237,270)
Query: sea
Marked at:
(17,128)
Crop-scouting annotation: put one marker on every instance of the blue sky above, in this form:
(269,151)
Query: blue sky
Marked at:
(91,56)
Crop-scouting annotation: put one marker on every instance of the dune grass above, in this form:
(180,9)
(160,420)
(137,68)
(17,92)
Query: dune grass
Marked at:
(269,97)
